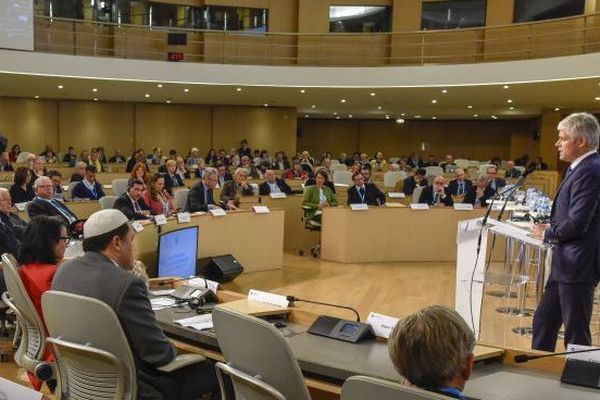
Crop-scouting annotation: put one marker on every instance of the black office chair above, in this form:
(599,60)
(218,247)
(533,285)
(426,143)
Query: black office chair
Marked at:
(313,226)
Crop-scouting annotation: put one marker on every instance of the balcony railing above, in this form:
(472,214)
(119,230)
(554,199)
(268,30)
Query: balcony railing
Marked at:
(559,37)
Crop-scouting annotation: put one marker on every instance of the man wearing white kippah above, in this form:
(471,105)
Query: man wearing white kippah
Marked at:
(103,273)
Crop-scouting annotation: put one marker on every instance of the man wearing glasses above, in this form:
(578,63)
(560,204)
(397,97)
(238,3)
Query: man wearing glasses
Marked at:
(45,204)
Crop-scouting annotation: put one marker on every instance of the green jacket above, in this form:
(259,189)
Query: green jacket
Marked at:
(311,199)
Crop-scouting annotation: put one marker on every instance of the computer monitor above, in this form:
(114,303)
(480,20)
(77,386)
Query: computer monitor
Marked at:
(178,252)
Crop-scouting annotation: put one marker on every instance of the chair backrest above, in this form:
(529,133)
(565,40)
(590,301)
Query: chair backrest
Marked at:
(390,178)
(33,341)
(339,167)
(474,163)
(394,160)
(5,185)
(417,194)
(119,186)
(520,168)
(181,198)
(433,171)
(483,168)
(344,177)
(255,347)
(462,163)
(22,157)
(92,352)
(252,384)
(69,193)
(334,161)
(107,202)
(365,387)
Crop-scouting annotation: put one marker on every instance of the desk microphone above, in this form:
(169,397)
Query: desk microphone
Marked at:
(292,299)
(523,358)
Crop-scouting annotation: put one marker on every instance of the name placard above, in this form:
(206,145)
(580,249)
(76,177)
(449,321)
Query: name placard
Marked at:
(419,206)
(359,207)
(217,212)
(160,220)
(261,209)
(183,217)
(268,298)
(463,207)
(396,195)
(279,195)
(137,226)
(382,324)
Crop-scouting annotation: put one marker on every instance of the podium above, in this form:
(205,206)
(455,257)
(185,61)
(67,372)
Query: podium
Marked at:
(472,274)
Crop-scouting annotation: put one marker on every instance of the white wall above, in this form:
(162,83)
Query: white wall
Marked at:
(16,24)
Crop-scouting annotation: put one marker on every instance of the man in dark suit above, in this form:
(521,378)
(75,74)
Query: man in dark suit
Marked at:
(45,204)
(10,218)
(201,195)
(437,194)
(280,162)
(172,179)
(432,162)
(103,273)
(131,203)
(272,184)
(5,162)
(459,185)
(511,171)
(479,194)
(89,188)
(79,173)
(574,233)
(365,193)
(538,165)
(415,161)
(233,190)
(223,174)
(494,182)
(418,179)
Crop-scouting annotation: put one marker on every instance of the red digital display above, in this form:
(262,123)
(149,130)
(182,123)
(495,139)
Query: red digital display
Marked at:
(175,56)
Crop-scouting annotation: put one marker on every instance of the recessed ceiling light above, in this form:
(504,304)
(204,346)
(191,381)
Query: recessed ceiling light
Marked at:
(387,117)
(146,95)
(494,117)
(476,115)
(403,114)
(306,115)
(60,86)
(186,90)
(505,87)
(302,91)
(335,113)
(509,101)
(313,106)
(379,107)
(399,121)
(469,107)
(168,101)
(95,99)
(342,100)
(239,89)
(372,94)
(433,117)
(444,91)
(417,116)
(266,105)
(337,117)
(597,98)
(557,109)
(159,85)
(37,97)
(511,108)
(434,101)
(94,90)
(350,115)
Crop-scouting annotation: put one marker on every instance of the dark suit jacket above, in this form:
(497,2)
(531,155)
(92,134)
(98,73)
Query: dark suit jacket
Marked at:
(427,197)
(575,225)
(265,190)
(172,181)
(373,196)
(42,207)
(94,275)
(196,201)
(15,223)
(471,195)
(19,195)
(228,177)
(541,166)
(512,173)
(231,191)
(124,204)
(80,191)
(410,184)
(6,167)
(453,186)
(76,178)
(499,183)
(285,164)
(312,182)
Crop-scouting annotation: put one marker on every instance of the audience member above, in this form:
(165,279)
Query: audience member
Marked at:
(44,203)
(131,203)
(95,160)
(88,188)
(101,155)
(437,194)
(497,161)
(157,198)
(117,158)
(432,162)
(415,161)
(378,163)
(14,153)
(364,193)
(356,168)
(511,171)
(56,178)
(459,185)
(404,166)
(156,157)
(84,156)
(103,273)
(10,218)
(70,157)
(244,149)
(448,162)
(234,161)
(479,194)
(21,190)
(273,184)
(280,162)
(418,179)
(538,165)
(433,349)
(43,247)
(5,165)
(181,169)
(249,167)
(137,157)
(140,171)
(38,167)
(495,183)
(316,198)
(194,157)
(232,191)
(211,158)
(79,173)
(201,195)
(172,179)
(365,170)
(49,155)
(328,183)
(223,175)
(296,172)
(344,159)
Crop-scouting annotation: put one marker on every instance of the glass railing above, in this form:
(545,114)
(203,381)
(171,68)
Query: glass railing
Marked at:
(560,37)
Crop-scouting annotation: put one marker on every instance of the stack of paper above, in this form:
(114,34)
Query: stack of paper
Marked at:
(199,322)
(161,303)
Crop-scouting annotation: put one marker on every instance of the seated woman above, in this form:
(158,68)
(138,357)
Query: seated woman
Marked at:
(42,248)
(480,193)
(140,171)
(316,198)
(296,172)
(233,190)
(157,198)
(22,191)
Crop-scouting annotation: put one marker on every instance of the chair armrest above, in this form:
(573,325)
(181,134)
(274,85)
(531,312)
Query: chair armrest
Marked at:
(181,361)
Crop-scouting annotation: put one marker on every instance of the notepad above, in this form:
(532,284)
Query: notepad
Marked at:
(198,322)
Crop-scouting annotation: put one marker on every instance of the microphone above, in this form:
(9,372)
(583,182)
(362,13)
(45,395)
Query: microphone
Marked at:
(523,358)
(292,299)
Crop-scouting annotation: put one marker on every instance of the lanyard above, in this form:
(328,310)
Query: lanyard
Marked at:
(453,392)
(362,192)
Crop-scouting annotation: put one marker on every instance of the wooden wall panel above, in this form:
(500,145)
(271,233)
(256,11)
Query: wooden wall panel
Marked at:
(318,136)
(29,123)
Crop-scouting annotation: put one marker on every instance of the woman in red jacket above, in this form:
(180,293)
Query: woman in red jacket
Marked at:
(157,197)
(43,247)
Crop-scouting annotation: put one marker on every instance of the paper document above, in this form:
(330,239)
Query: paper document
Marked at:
(164,292)
(161,303)
(199,322)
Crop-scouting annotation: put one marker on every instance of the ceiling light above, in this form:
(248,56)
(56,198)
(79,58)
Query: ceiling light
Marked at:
(342,100)
(302,91)
(505,87)
(434,101)
(433,117)
(387,117)
(313,106)
(350,115)
(399,121)
(511,108)
(186,90)
(146,95)
(95,99)
(337,117)
(335,113)
(372,94)
(37,97)
(444,91)
(94,90)
(379,107)
(266,105)
(476,115)
(168,101)
(597,98)
(306,115)
(417,116)
(159,85)
(239,89)
(403,114)
(557,109)
(60,86)
(509,101)
(494,117)
(469,107)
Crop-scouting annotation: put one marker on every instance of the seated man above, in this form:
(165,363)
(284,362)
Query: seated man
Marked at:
(79,173)
(494,182)
(56,178)
(10,218)
(233,190)
(459,185)
(511,171)
(437,194)
(364,193)
(103,273)
(433,349)
(273,184)
(538,164)
(44,202)
(448,162)
(201,196)
(224,175)
(479,194)
(88,188)
(131,203)
(172,179)
(418,179)
(432,162)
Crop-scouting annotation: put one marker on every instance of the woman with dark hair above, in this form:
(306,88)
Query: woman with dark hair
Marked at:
(316,198)
(14,153)
(43,247)
(211,158)
(157,198)
(21,191)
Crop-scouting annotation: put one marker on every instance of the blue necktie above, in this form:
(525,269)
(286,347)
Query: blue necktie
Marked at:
(361,191)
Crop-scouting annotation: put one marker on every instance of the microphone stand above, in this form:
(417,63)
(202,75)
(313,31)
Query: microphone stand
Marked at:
(292,299)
